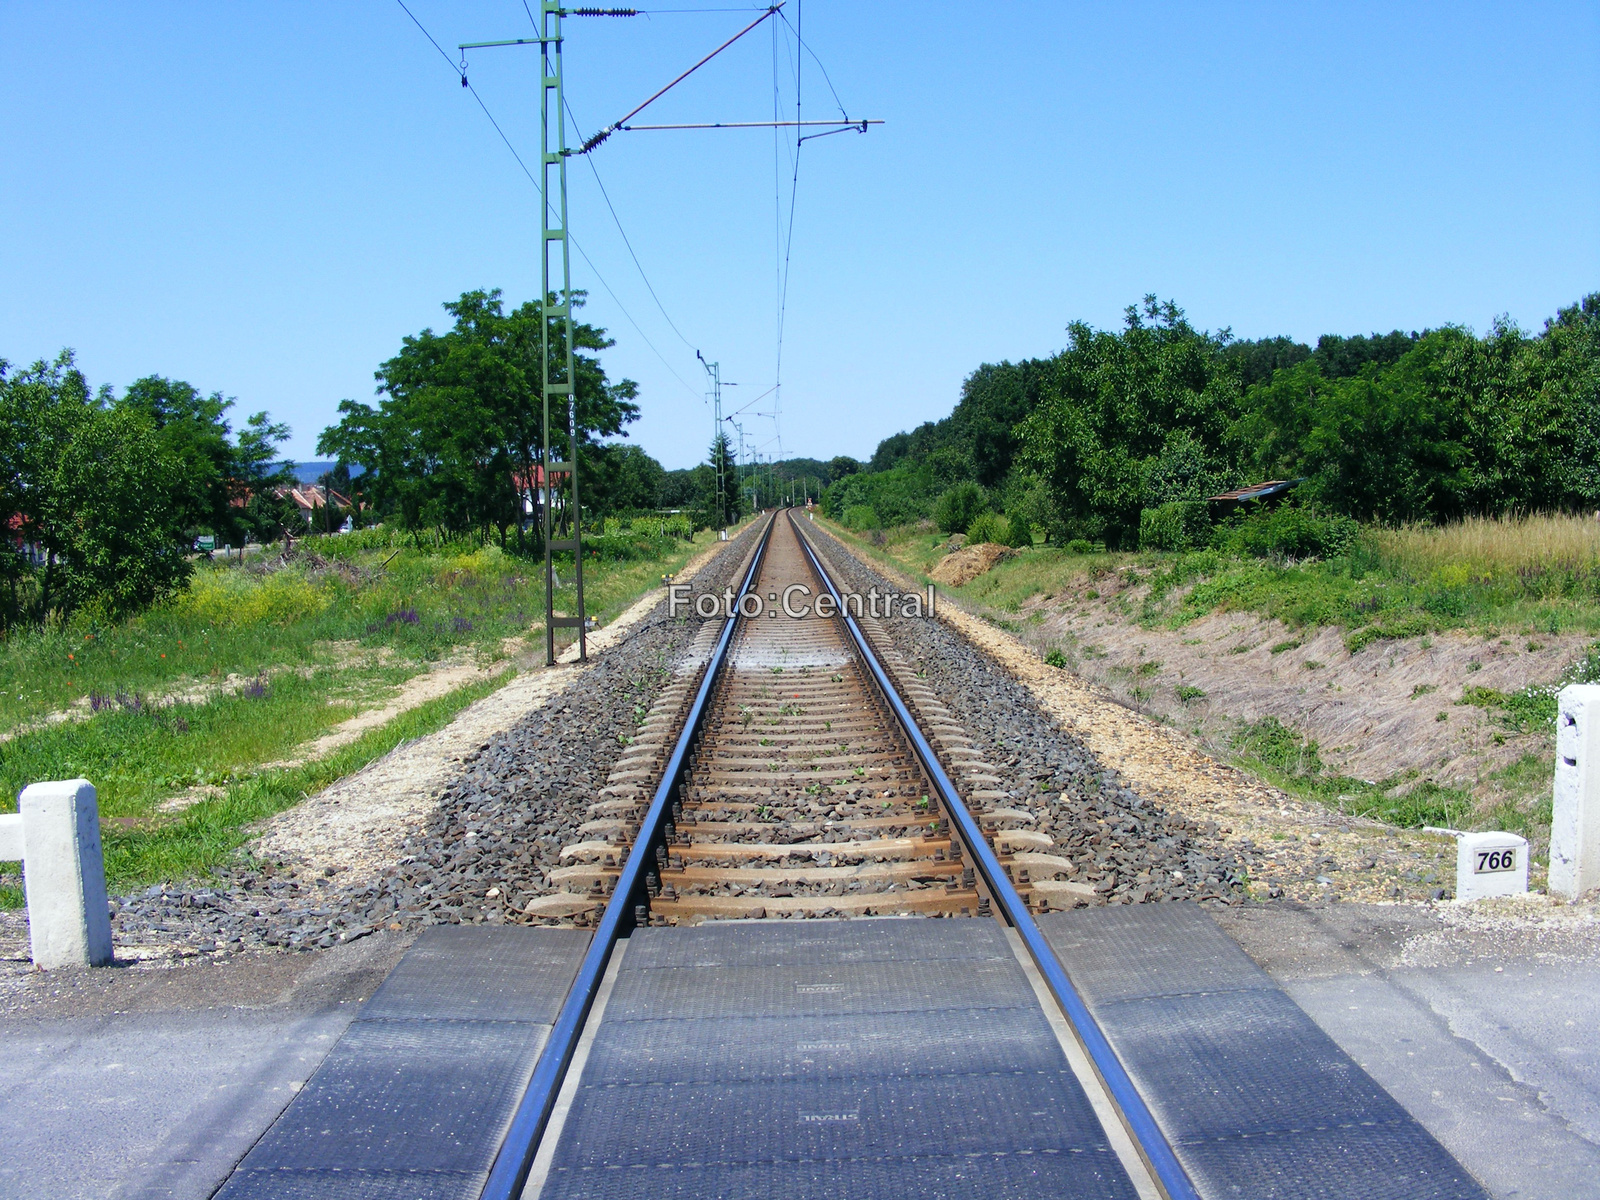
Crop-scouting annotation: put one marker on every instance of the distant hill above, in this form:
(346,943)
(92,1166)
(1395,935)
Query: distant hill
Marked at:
(310,472)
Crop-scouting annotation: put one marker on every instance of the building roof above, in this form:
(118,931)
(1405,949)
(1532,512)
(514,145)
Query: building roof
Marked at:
(1259,491)
(310,496)
(519,479)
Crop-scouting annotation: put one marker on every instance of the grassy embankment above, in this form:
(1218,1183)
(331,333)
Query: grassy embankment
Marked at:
(192,701)
(1522,579)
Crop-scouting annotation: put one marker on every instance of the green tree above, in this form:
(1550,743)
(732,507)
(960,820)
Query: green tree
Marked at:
(117,530)
(460,430)
(958,506)
(217,483)
(1571,345)
(623,480)
(41,409)
(89,483)
(1110,407)
(841,465)
(682,488)
(192,430)
(713,514)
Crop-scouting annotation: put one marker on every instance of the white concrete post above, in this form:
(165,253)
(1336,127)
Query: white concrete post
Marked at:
(64,875)
(1491,864)
(1575,820)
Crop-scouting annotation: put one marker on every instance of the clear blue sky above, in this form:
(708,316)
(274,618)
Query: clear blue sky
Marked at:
(263,199)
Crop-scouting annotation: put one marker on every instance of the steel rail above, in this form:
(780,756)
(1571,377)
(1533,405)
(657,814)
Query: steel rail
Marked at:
(532,1118)
(1136,1116)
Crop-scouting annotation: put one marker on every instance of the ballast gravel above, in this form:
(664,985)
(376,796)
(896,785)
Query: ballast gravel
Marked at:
(500,825)
(1123,844)
(497,830)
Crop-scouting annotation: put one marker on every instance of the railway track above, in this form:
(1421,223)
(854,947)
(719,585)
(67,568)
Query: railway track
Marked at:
(798,769)
(804,796)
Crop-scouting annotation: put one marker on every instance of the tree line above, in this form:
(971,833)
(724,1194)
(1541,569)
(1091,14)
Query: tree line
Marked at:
(458,431)
(1391,428)
(102,496)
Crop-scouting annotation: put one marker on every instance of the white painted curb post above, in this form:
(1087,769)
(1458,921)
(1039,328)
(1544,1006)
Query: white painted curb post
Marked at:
(64,875)
(1575,821)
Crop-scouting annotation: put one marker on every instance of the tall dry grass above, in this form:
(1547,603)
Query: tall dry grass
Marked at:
(1487,548)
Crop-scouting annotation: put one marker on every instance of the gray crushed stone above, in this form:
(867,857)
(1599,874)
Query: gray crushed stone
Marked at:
(501,823)
(499,826)
(1127,846)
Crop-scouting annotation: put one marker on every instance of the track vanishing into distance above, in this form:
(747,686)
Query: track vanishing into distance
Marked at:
(804,796)
(804,799)
(789,774)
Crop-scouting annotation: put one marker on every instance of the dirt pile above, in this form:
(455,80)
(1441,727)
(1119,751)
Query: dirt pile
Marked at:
(967,563)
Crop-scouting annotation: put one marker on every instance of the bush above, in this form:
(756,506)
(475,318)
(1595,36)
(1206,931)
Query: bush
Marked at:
(230,597)
(1290,531)
(1176,525)
(1019,533)
(861,517)
(958,507)
(987,527)
(1080,546)
(897,497)
(1271,742)
(677,525)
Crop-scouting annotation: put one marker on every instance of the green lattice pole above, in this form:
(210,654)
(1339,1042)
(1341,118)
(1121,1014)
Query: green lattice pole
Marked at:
(557,358)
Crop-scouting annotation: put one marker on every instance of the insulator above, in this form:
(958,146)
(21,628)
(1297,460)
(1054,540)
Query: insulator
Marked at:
(463,80)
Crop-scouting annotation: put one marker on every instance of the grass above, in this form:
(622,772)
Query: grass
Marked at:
(210,831)
(1293,763)
(138,754)
(416,605)
(1536,575)
(307,645)
(1545,546)
(192,842)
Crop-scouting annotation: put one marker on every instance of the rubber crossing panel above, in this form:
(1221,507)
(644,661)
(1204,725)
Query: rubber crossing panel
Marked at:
(413,1101)
(828,1059)
(1255,1098)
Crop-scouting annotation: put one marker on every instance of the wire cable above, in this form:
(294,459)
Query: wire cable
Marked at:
(787,239)
(454,69)
(826,79)
(589,158)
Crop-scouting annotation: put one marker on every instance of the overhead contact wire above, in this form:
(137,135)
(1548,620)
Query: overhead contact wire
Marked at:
(576,245)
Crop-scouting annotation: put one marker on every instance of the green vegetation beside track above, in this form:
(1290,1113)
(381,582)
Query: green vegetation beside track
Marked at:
(1518,583)
(197,698)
